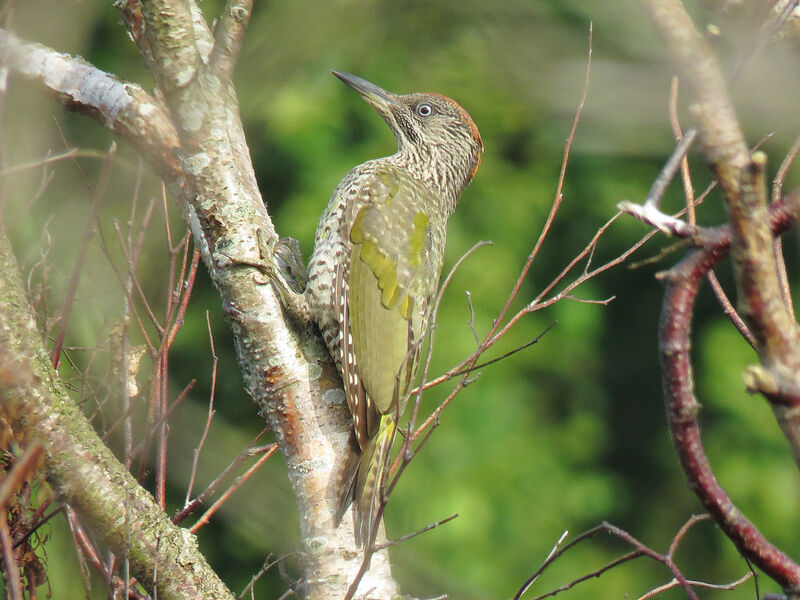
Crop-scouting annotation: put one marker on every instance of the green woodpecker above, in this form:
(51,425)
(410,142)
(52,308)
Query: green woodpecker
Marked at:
(374,273)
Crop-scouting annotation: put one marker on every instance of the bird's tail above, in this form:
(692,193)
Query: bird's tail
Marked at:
(368,481)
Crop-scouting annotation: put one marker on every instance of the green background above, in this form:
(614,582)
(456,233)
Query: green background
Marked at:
(558,437)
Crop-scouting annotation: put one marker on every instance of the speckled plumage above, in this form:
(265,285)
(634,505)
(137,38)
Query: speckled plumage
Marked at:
(375,269)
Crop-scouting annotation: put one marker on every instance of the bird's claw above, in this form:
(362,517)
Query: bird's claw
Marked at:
(280,263)
(288,262)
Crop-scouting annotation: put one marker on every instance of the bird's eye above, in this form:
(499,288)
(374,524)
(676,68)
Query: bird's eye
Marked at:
(424,110)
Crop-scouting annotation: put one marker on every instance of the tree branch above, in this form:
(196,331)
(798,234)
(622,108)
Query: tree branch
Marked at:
(682,406)
(125,109)
(759,298)
(285,366)
(229,37)
(82,470)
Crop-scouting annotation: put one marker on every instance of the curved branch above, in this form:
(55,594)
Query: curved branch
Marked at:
(741,174)
(682,406)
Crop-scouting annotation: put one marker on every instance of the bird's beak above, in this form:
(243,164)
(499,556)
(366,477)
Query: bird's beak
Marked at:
(377,97)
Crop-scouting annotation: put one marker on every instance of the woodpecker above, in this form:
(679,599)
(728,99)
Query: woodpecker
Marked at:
(374,272)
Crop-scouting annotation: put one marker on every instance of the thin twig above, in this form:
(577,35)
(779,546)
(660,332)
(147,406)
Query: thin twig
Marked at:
(555,554)
(558,196)
(98,193)
(701,584)
(69,154)
(729,310)
(135,283)
(9,560)
(533,579)
(677,131)
(264,568)
(471,321)
(196,453)
(639,550)
(593,575)
(206,517)
(248,452)
(142,446)
(188,285)
(777,193)
(671,167)
(22,469)
(502,356)
(82,542)
(414,534)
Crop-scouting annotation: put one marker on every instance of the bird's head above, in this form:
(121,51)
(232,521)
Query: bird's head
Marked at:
(434,134)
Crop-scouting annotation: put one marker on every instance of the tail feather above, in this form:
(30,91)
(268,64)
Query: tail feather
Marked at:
(368,482)
(347,481)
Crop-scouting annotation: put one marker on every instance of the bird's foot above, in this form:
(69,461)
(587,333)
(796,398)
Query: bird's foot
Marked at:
(281,264)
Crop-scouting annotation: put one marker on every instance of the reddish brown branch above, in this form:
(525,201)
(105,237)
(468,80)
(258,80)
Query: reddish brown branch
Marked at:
(741,174)
(682,407)
(9,560)
(206,517)
(248,452)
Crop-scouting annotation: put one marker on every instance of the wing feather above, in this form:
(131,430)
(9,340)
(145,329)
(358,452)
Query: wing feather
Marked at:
(384,290)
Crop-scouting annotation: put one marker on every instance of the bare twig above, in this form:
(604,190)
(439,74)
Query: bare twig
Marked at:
(783,170)
(22,469)
(639,550)
(196,453)
(264,568)
(729,310)
(206,517)
(558,550)
(777,193)
(471,321)
(248,452)
(414,534)
(9,560)
(558,196)
(535,576)
(700,584)
(70,154)
(473,368)
(677,131)
(98,194)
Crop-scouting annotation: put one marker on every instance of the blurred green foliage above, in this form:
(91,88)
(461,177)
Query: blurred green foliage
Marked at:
(561,436)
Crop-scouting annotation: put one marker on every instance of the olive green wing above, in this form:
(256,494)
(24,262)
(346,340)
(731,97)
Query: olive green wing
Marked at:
(396,241)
